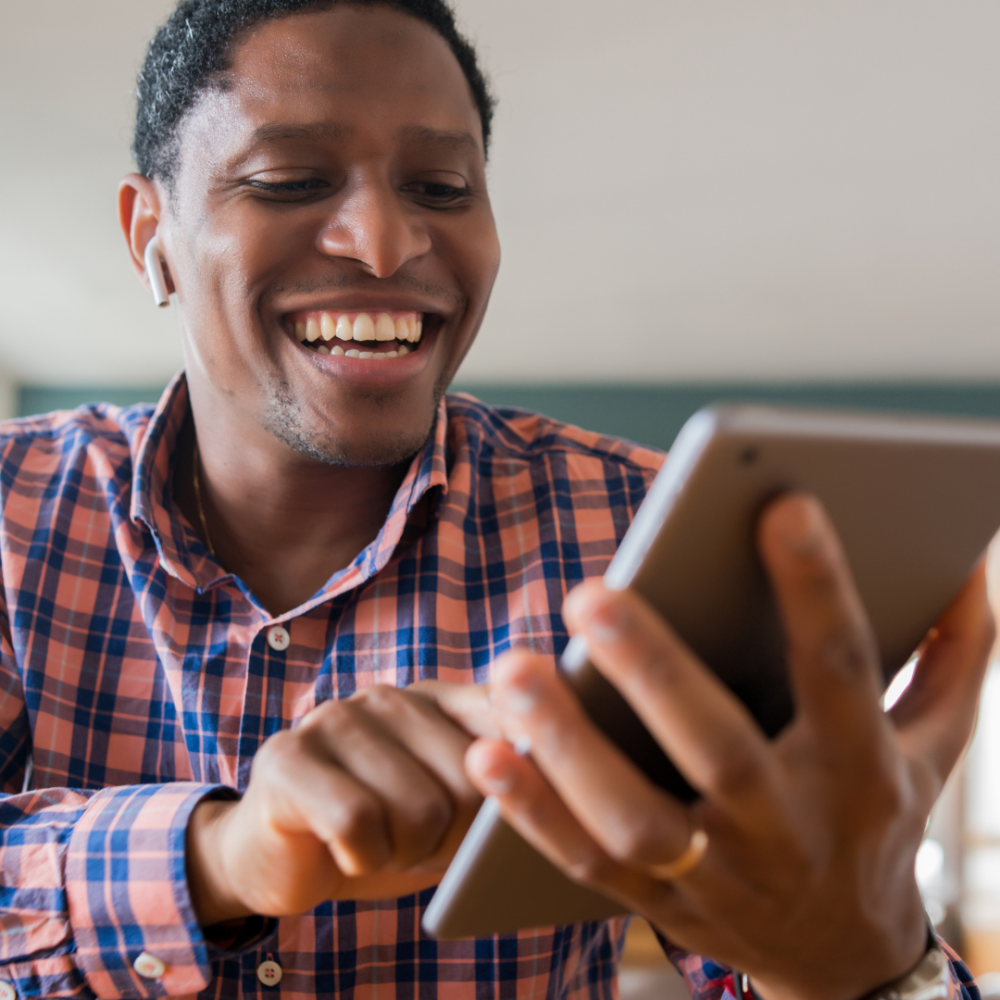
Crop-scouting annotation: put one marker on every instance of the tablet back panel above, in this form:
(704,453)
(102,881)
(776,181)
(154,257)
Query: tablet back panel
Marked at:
(915,502)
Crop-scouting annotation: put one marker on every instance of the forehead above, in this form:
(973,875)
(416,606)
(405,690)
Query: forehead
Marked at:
(350,72)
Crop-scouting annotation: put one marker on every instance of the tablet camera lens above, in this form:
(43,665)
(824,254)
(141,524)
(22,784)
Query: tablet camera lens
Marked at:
(749,456)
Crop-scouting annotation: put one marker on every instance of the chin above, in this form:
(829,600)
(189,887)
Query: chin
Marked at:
(364,430)
(362,447)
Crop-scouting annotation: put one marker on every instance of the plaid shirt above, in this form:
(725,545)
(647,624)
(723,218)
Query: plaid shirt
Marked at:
(136,678)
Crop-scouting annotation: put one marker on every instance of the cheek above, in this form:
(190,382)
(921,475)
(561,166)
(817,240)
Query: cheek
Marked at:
(227,270)
(475,253)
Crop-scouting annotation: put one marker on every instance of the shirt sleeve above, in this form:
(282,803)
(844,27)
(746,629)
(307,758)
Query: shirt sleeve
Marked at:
(90,880)
(708,980)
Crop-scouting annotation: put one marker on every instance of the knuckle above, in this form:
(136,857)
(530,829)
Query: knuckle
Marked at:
(637,841)
(358,818)
(849,654)
(380,697)
(592,868)
(432,814)
(332,719)
(735,772)
(425,688)
(322,715)
(389,704)
(275,751)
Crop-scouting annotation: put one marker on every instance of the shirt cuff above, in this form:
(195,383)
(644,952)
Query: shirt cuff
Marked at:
(126,885)
(709,980)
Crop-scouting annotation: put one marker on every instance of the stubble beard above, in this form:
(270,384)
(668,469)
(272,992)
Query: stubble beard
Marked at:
(285,418)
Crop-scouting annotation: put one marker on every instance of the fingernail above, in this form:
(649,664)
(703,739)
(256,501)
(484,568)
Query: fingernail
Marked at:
(498,784)
(603,625)
(602,620)
(522,746)
(520,699)
(589,610)
(800,527)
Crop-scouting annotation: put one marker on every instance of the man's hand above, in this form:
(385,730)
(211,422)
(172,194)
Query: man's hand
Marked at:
(808,881)
(366,799)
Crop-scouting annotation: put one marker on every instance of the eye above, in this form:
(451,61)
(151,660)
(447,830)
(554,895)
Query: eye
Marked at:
(437,193)
(289,190)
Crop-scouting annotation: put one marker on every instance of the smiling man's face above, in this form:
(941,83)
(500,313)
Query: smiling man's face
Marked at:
(330,235)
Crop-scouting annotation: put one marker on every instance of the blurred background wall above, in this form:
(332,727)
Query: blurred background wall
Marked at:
(770,200)
(771,193)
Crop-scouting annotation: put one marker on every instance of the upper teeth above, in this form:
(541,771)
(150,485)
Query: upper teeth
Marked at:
(363,326)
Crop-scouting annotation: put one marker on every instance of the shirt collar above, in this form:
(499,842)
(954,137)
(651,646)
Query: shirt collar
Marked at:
(181,551)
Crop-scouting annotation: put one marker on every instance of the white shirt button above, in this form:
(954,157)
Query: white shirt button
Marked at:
(278,638)
(149,966)
(7,992)
(269,973)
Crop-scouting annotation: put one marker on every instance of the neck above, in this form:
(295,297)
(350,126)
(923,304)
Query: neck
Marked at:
(280,521)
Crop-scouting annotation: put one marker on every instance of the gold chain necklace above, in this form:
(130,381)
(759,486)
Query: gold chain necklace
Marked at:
(197,500)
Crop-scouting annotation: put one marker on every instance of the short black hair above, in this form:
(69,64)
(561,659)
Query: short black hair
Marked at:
(196,43)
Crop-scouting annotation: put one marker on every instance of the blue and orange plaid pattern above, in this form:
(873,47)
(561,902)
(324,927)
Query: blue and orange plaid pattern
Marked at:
(135,679)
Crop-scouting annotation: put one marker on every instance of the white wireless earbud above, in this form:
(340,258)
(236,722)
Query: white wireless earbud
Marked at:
(154,271)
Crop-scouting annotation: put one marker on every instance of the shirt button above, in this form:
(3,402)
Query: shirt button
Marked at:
(278,638)
(269,973)
(149,966)
(7,992)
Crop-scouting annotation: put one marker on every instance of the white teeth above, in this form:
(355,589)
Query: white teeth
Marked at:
(322,350)
(352,354)
(408,328)
(338,350)
(365,354)
(385,329)
(364,328)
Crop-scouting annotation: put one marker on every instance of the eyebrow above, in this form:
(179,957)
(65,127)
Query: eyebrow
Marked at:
(285,131)
(450,138)
(276,132)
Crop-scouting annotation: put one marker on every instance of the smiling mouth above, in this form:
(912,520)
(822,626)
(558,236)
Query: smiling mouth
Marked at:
(379,336)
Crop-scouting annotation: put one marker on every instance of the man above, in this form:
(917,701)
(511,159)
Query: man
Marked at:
(240,738)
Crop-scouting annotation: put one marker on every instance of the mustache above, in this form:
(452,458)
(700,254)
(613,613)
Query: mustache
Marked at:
(358,283)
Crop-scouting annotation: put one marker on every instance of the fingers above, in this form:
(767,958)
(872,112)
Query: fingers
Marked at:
(379,778)
(703,727)
(300,793)
(427,734)
(416,719)
(833,661)
(468,705)
(631,818)
(535,810)
(416,808)
(936,714)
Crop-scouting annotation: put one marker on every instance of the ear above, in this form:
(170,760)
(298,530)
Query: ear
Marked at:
(139,212)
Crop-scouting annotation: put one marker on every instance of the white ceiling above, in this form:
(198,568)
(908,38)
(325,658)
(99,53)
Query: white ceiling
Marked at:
(684,190)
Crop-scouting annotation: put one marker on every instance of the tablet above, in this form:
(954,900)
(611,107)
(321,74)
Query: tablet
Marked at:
(915,501)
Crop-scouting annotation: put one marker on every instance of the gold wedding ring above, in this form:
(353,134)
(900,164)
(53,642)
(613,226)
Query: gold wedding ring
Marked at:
(687,861)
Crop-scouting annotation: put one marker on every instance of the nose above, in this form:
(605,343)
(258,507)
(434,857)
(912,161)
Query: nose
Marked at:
(376,227)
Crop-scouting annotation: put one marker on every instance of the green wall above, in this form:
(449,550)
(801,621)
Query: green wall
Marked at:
(648,414)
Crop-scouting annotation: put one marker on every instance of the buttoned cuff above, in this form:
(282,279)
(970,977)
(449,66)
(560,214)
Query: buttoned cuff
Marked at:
(127,891)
